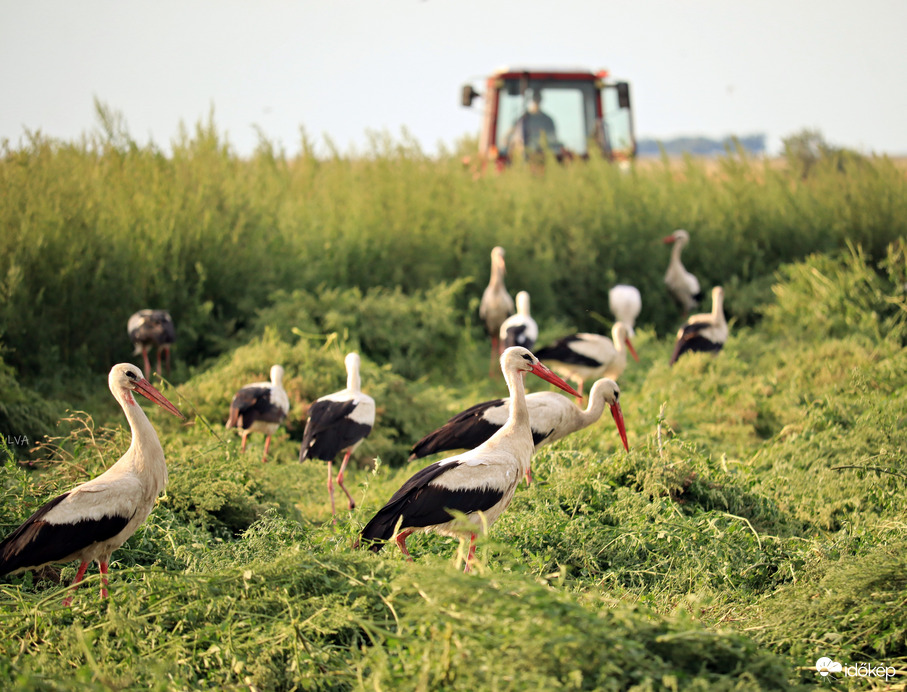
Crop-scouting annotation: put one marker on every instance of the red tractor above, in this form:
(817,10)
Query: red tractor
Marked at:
(569,112)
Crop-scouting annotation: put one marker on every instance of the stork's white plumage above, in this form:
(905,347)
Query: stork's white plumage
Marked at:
(586,356)
(625,303)
(704,332)
(260,407)
(552,416)
(520,329)
(147,328)
(496,305)
(683,286)
(95,518)
(479,483)
(337,422)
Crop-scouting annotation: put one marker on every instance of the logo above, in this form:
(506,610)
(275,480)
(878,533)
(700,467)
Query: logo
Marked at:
(825,666)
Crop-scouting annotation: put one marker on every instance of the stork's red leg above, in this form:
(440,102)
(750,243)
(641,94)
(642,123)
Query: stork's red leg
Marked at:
(75,582)
(529,476)
(331,491)
(264,457)
(494,367)
(147,362)
(159,371)
(346,458)
(167,351)
(472,551)
(103,566)
(401,541)
(242,447)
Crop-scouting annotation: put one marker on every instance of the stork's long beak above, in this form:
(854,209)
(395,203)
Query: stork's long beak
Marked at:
(619,419)
(145,388)
(632,350)
(545,373)
(669,239)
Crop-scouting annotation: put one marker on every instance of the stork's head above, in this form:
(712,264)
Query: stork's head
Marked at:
(610,392)
(276,374)
(497,259)
(680,236)
(621,333)
(520,360)
(126,377)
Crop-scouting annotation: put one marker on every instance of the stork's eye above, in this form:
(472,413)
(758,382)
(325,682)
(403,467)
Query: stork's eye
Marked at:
(528,358)
(131,375)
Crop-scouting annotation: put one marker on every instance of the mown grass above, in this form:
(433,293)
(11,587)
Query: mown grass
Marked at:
(756,525)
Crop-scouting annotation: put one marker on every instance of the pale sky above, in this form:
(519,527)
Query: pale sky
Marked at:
(340,68)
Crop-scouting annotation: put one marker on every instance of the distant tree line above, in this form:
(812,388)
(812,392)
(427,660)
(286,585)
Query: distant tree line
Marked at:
(700,146)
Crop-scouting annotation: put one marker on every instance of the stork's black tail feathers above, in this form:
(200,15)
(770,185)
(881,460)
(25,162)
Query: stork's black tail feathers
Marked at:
(379,530)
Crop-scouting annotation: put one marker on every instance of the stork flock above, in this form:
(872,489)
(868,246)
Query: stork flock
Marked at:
(458,496)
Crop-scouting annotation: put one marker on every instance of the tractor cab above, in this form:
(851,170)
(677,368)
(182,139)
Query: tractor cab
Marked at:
(569,112)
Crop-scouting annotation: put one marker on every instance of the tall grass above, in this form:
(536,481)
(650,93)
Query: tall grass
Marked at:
(94,230)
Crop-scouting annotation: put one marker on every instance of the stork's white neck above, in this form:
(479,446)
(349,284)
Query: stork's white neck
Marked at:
(522,304)
(619,338)
(353,383)
(145,456)
(718,306)
(517,425)
(497,274)
(594,408)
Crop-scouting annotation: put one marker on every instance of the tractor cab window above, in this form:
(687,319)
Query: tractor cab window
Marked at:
(618,123)
(559,113)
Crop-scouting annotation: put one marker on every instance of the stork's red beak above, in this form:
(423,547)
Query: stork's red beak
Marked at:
(632,350)
(669,239)
(145,388)
(619,419)
(545,373)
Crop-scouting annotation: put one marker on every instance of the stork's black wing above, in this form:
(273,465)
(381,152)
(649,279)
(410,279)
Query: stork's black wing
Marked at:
(691,339)
(419,503)
(562,352)
(466,430)
(38,542)
(329,429)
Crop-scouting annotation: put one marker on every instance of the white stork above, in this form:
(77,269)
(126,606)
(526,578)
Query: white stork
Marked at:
(551,417)
(149,328)
(704,332)
(585,356)
(95,518)
(260,407)
(683,286)
(625,303)
(337,422)
(520,329)
(496,305)
(479,483)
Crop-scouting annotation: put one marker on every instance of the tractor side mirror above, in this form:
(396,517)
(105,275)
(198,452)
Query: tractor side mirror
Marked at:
(623,94)
(468,95)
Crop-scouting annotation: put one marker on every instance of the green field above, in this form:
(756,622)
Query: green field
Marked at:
(758,523)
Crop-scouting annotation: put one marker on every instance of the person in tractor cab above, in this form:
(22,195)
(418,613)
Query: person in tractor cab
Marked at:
(528,130)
